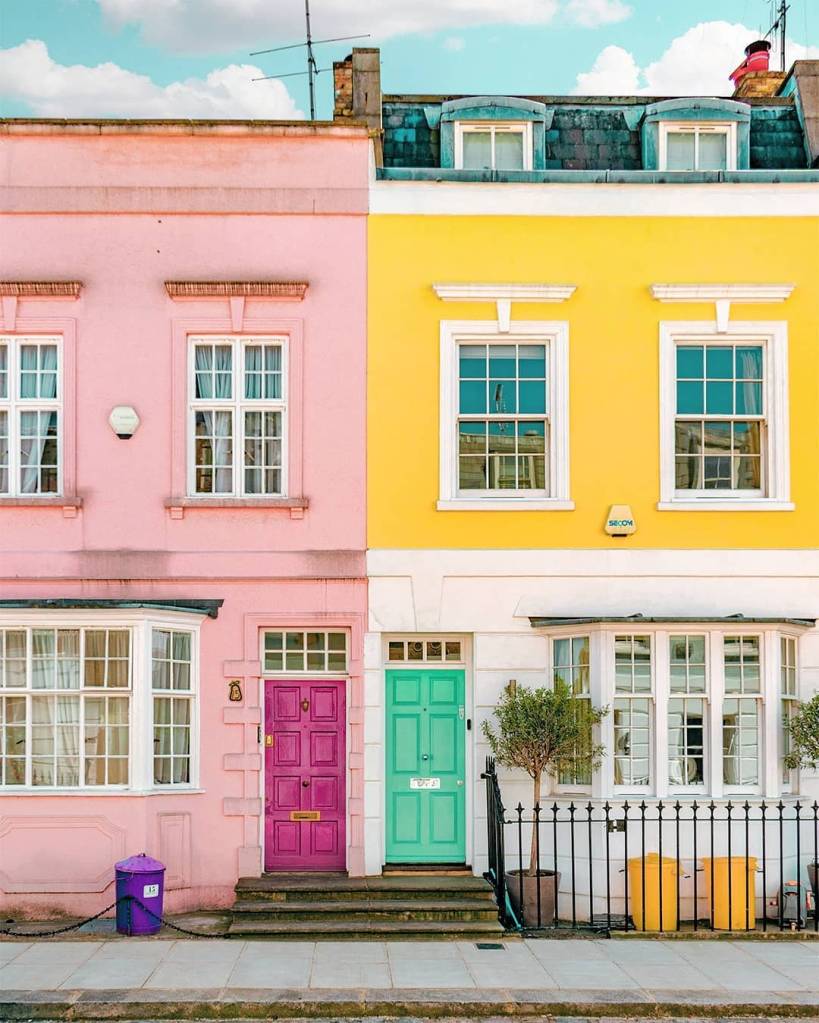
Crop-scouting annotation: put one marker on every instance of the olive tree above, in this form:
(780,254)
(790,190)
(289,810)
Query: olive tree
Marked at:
(545,731)
(804,733)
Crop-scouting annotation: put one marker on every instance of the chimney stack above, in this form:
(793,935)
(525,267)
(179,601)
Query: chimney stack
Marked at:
(753,77)
(357,88)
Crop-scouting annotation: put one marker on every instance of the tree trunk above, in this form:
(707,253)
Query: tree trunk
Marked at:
(533,857)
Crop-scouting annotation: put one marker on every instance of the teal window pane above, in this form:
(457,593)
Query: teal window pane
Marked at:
(719,398)
(502,438)
(502,362)
(473,361)
(472,438)
(749,363)
(690,362)
(532,396)
(719,362)
(472,396)
(532,361)
(717,438)
(501,396)
(690,397)
(531,438)
(748,398)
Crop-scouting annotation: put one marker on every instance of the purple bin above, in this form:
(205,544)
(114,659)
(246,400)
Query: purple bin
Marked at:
(143,878)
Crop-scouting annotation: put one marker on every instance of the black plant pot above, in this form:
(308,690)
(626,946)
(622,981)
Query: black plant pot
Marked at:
(549,882)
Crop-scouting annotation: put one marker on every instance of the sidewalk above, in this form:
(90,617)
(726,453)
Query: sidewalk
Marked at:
(166,979)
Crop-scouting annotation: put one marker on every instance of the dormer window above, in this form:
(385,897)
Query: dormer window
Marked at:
(691,146)
(500,134)
(493,145)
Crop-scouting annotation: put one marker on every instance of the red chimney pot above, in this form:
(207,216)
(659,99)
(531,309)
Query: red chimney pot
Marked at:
(757,58)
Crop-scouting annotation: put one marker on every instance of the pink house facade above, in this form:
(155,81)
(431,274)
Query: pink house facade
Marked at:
(182,505)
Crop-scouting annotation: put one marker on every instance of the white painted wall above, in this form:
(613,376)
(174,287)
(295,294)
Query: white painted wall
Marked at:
(486,596)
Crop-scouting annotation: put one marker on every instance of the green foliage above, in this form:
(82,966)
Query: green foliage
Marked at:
(804,729)
(545,731)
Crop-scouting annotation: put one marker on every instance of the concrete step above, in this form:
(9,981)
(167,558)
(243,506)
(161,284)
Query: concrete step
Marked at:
(326,887)
(368,909)
(245,926)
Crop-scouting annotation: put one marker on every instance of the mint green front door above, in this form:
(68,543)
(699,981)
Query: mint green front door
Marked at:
(426,779)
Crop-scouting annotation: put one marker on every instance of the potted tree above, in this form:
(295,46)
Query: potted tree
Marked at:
(542,731)
(804,752)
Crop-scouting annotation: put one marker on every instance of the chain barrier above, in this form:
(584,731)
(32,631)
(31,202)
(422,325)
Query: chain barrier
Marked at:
(130,900)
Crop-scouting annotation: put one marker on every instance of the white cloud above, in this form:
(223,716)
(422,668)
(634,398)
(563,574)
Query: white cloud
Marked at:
(615,73)
(696,63)
(28,74)
(592,13)
(195,26)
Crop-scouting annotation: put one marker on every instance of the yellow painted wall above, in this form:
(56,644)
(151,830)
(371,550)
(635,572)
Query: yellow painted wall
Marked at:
(613,363)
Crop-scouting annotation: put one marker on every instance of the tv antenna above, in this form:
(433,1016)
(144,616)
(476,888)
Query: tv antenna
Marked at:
(312,67)
(779,11)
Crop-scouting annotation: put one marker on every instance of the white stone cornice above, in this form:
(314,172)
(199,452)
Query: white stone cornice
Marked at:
(722,295)
(717,292)
(503,295)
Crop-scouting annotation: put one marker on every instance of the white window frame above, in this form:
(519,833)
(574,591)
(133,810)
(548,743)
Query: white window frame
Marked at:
(305,671)
(664,672)
(14,405)
(140,746)
(565,787)
(237,405)
(522,128)
(555,336)
(650,695)
(788,704)
(697,128)
(773,336)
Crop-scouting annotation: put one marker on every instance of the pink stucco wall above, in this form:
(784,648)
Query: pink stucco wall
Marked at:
(123,210)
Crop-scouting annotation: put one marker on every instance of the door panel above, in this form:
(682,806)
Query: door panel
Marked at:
(305,772)
(426,739)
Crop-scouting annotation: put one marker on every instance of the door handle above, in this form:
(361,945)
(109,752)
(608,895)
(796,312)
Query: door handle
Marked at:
(459,781)
(425,756)
(305,783)
(305,705)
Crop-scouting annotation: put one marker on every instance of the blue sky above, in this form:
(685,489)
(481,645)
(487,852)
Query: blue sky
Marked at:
(191,57)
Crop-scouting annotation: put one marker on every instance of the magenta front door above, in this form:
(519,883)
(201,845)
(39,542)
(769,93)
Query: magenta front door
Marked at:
(305,807)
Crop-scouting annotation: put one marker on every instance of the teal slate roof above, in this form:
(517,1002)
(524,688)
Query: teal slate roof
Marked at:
(589,133)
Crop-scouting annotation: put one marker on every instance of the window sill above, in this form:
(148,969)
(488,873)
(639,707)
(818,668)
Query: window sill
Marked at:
(727,504)
(177,506)
(69,505)
(513,504)
(86,793)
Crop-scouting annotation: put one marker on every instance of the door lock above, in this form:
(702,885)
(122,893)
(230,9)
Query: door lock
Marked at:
(459,781)
(268,740)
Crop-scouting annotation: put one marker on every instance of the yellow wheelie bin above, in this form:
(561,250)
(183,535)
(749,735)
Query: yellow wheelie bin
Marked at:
(732,903)
(659,876)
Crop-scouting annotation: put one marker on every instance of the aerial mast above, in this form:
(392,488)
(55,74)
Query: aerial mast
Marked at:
(312,67)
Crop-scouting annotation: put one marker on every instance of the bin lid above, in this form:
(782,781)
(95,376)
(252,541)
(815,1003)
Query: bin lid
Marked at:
(141,864)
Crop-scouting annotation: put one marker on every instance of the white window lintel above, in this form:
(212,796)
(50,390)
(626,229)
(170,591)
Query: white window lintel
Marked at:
(503,295)
(722,295)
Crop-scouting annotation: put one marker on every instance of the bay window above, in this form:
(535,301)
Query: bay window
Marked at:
(687,711)
(696,708)
(74,698)
(633,711)
(570,665)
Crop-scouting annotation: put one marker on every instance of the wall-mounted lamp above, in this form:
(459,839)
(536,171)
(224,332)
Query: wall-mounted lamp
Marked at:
(235,691)
(124,421)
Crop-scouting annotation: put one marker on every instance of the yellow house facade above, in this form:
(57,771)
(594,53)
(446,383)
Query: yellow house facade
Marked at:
(593,449)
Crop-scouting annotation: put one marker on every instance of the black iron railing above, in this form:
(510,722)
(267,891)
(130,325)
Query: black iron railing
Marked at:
(654,866)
